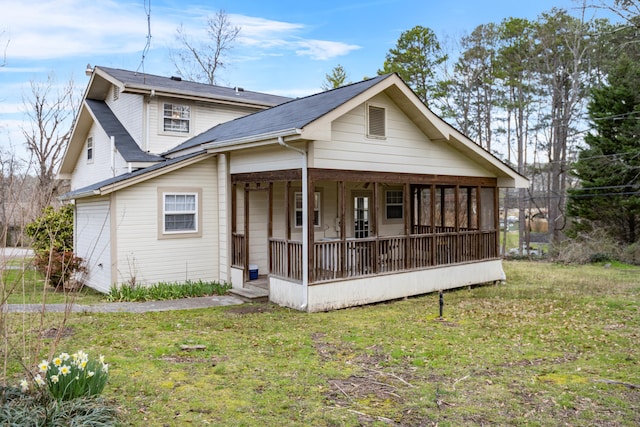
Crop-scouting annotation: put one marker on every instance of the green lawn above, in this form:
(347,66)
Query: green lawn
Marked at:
(26,286)
(555,345)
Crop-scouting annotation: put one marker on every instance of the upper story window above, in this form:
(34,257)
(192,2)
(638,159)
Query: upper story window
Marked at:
(394,204)
(376,122)
(177,118)
(90,149)
(298,209)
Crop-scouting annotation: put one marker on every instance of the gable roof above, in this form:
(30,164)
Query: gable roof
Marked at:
(294,114)
(126,145)
(134,81)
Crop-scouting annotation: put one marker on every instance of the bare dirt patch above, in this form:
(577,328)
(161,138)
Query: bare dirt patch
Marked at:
(67,331)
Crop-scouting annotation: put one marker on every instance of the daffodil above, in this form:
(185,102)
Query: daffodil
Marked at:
(54,379)
(57,361)
(24,385)
(90,374)
(64,370)
(39,380)
(64,356)
(43,366)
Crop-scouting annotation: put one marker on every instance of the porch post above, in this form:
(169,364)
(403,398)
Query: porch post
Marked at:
(287,213)
(309,210)
(246,232)
(269,227)
(407,224)
(343,233)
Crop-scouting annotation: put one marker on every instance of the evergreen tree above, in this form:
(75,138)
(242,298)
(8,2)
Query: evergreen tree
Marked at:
(609,168)
(337,78)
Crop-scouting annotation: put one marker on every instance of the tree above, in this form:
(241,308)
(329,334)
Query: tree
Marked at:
(50,110)
(609,168)
(416,58)
(473,87)
(562,65)
(337,78)
(201,61)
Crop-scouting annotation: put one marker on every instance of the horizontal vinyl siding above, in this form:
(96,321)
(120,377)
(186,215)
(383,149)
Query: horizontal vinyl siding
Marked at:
(141,255)
(203,117)
(405,150)
(129,109)
(99,169)
(265,159)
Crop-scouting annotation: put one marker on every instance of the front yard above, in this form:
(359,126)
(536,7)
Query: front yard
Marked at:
(555,345)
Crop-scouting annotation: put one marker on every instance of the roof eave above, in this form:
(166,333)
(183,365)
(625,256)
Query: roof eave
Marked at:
(250,141)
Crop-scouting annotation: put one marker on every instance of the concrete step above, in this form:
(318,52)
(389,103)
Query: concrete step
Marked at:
(251,294)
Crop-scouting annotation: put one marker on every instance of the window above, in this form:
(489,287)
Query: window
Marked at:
(177,118)
(394,204)
(180,213)
(298,209)
(376,126)
(90,149)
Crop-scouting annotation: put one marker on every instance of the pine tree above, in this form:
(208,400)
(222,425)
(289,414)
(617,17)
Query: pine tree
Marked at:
(609,168)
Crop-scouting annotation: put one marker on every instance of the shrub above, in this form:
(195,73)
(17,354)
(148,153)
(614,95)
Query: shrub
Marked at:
(595,246)
(52,241)
(631,254)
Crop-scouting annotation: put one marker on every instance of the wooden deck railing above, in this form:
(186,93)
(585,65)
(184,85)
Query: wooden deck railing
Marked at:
(237,250)
(336,259)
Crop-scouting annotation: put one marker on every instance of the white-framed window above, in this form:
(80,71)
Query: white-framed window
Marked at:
(298,209)
(394,204)
(180,213)
(90,149)
(376,121)
(176,118)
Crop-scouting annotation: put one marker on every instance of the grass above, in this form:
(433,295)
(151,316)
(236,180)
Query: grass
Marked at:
(536,351)
(27,287)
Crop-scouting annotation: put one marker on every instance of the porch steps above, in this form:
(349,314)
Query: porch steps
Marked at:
(251,293)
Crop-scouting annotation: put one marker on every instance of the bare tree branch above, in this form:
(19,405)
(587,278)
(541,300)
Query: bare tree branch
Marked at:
(50,109)
(201,62)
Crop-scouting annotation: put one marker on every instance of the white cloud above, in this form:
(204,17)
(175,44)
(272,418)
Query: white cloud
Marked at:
(322,49)
(67,28)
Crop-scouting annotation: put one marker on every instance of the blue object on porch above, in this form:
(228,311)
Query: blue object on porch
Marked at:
(253,271)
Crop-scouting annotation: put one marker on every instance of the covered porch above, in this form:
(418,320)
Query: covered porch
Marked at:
(359,224)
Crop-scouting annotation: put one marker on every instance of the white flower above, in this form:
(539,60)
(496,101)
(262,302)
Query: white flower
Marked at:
(24,386)
(54,379)
(43,366)
(39,380)
(64,356)
(90,374)
(105,367)
(65,370)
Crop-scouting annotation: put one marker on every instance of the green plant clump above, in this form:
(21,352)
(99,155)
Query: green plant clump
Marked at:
(166,291)
(71,376)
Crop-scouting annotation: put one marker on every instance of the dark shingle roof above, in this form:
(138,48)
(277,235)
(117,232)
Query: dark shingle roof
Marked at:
(294,114)
(184,87)
(84,191)
(127,147)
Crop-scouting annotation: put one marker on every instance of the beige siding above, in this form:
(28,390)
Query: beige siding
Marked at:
(258,238)
(129,109)
(405,150)
(203,117)
(145,258)
(265,159)
(85,172)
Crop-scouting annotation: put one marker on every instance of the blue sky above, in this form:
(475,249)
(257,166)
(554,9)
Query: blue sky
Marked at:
(284,47)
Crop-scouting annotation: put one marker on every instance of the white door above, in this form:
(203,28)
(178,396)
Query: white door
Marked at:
(92,236)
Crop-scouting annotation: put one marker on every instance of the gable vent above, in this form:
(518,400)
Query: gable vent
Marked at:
(376,125)
(116,92)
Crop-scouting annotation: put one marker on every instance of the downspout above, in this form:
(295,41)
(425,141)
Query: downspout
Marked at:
(305,222)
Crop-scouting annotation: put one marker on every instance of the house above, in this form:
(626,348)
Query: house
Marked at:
(347,197)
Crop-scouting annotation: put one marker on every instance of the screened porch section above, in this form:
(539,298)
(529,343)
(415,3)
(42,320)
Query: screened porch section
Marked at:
(362,224)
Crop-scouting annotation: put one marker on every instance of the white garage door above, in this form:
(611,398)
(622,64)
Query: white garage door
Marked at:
(92,241)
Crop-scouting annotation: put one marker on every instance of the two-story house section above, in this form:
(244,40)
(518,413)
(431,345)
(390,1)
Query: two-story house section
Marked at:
(128,119)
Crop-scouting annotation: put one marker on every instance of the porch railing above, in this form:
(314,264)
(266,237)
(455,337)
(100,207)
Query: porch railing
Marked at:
(336,259)
(237,250)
